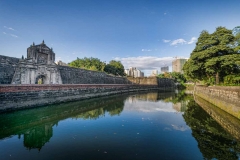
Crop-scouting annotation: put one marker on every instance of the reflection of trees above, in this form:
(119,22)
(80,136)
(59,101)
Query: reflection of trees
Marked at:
(213,140)
(113,109)
(36,137)
(36,124)
(178,97)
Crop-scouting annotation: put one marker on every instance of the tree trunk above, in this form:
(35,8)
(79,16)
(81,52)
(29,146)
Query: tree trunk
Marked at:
(217,78)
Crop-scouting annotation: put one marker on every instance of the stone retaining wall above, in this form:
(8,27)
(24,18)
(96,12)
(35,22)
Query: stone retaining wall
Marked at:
(226,98)
(14,97)
(227,121)
(160,82)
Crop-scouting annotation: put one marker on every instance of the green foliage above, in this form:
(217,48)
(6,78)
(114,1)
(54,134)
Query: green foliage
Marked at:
(88,63)
(181,96)
(213,141)
(115,67)
(94,64)
(177,77)
(232,80)
(213,57)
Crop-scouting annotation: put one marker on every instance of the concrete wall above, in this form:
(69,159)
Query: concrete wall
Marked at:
(14,97)
(7,69)
(226,98)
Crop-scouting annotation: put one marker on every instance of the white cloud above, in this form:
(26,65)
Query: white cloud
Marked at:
(4,33)
(166,41)
(146,105)
(9,28)
(165,13)
(14,35)
(180,128)
(193,39)
(146,50)
(145,62)
(178,41)
(183,41)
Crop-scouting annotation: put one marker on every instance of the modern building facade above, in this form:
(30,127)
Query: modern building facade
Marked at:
(164,69)
(154,73)
(133,72)
(177,64)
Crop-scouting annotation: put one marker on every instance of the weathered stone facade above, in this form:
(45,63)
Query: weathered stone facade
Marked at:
(7,69)
(38,67)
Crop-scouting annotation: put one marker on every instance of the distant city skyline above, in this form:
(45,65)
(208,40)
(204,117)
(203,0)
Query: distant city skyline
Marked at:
(140,33)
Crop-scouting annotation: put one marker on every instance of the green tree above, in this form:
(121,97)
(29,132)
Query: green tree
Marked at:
(91,63)
(115,67)
(213,57)
(178,77)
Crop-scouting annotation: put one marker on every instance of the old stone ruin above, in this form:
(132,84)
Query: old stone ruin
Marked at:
(39,67)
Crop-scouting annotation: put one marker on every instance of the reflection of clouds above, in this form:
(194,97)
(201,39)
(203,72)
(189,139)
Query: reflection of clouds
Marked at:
(179,128)
(148,106)
(167,129)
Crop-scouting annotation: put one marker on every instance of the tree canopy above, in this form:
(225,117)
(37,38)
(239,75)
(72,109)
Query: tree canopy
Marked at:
(115,67)
(95,64)
(215,56)
(176,76)
(91,63)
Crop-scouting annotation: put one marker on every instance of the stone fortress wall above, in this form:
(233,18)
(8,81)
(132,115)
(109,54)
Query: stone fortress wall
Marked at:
(71,75)
(14,97)
(7,69)
(20,87)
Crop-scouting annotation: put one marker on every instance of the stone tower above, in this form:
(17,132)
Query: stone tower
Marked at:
(38,68)
(41,54)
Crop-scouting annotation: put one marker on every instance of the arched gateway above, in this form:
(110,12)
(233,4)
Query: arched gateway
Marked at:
(38,68)
(41,79)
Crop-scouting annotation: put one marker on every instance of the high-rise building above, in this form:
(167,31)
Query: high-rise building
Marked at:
(154,73)
(164,69)
(134,72)
(177,65)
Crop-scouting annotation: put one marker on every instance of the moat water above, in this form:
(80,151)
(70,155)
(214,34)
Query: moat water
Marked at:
(146,126)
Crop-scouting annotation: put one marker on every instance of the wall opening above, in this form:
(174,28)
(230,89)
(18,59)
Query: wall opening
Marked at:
(40,79)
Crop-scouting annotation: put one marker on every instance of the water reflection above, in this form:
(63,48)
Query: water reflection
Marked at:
(216,133)
(213,140)
(36,124)
(36,137)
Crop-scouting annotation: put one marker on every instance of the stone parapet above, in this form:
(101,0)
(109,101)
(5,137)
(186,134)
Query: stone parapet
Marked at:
(225,97)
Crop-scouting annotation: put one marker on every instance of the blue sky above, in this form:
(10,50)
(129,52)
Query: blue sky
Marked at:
(140,33)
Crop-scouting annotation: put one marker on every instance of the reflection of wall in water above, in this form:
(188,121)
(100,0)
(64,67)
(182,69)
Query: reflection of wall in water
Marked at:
(154,96)
(213,141)
(227,121)
(180,106)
